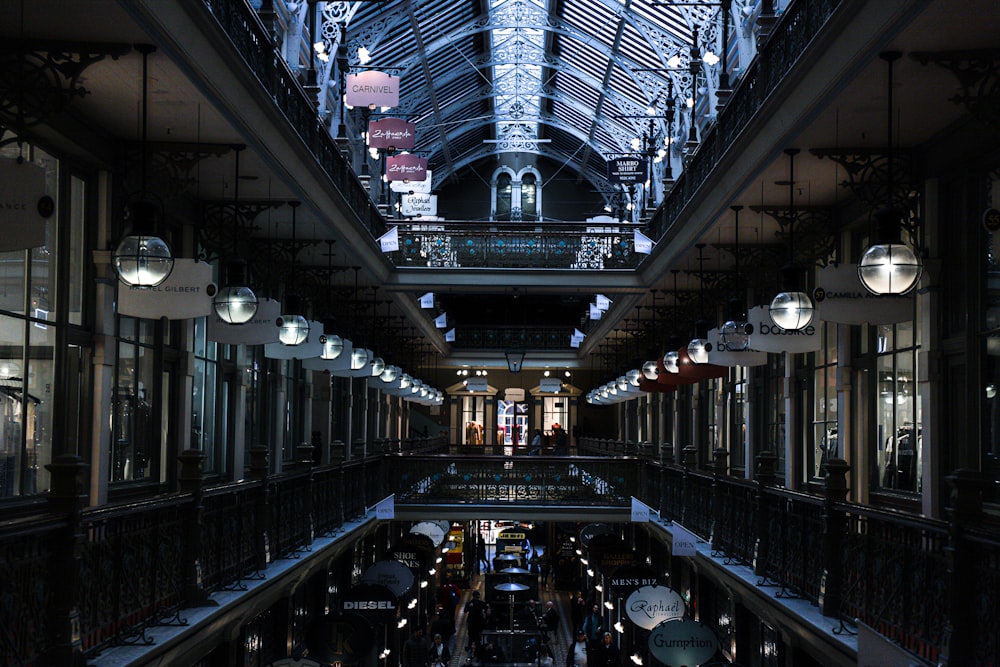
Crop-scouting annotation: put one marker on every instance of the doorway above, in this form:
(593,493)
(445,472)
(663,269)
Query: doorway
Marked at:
(512,424)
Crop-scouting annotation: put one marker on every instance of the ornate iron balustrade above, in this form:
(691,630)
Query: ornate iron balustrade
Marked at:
(491,480)
(517,246)
(525,338)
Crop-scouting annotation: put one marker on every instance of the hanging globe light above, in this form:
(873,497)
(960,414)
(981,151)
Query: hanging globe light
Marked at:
(359,357)
(792,309)
(698,350)
(650,370)
(333,346)
(389,374)
(378,365)
(670,361)
(142,259)
(633,376)
(889,266)
(235,303)
(293,328)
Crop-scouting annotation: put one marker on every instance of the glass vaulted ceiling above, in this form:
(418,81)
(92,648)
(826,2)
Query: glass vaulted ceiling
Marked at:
(568,79)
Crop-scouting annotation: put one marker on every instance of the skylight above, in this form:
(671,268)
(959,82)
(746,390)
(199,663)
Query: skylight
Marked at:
(517,49)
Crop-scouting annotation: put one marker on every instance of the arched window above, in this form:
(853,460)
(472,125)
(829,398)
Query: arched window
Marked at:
(529,198)
(503,193)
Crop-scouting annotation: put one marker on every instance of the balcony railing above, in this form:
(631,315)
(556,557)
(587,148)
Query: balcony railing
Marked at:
(115,572)
(509,245)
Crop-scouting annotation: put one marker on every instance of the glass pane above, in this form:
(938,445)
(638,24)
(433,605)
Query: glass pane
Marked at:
(77,219)
(12,281)
(38,425)
(133,435)
(11,405)
(43,259)
(503,196)
(529,200)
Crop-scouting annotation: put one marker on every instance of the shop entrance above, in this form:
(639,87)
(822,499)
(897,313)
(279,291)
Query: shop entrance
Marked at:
(512,424)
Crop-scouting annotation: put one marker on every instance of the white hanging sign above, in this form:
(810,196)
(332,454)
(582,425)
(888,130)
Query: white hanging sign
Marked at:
(595,312)
(574,341)
(389,242)
(372,88)
(840,297)
(258,331)
(649,606)
(385,510)
(24,206)
(186,293)
(419,204)
(311,347)
(413,187)
(720,355)
(640,511)
(602,302)
(427,300)
(685,543)
(441,321)
(449,336)
(769,337)
(643,244)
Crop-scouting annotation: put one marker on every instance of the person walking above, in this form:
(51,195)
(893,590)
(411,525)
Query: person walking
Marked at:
(593,625)
(535,447)
(577,610)
(550,621)
(577,653)
(544,567)
(440,656)
(415,651)
(475,617)
(561,440)
(607,654)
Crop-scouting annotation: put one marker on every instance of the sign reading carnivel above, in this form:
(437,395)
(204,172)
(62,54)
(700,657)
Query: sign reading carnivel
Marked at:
(649,606)
(372,88)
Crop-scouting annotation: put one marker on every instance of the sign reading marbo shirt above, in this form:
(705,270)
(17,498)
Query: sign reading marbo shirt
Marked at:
(649,606)
(417,204)
(684,642)
(186,293)
(394,133)
(258,331)
(626,170)
(840,297)
(372,88)
(721,355)
(375,603)
(769,337)
(24,206)
(405,167)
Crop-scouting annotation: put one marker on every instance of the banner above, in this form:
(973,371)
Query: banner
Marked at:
(449,337)
(685,542)
(186,293)
(24,205)
(391,134)
(640,511)
(389,242)
(628,169)
(386,509)
(649,606)
(258,331)
(683,642)
(602,302)
(840,297)
(405,167)
(441,321)
(372,88)
(722,356)
(769,337)
(413,187)
(427,300)
(419,204)
(574,341)
(595,312)
(643,244)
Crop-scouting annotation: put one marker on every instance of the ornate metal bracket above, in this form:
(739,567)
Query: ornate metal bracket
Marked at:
(39,79)
(171,165)
(216,235)
(978,74)
(867,175)
(815,238)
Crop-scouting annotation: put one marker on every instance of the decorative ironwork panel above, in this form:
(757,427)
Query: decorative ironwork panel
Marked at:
(291,522)
(983,598)
(25,594)
(230,527)
(732,532)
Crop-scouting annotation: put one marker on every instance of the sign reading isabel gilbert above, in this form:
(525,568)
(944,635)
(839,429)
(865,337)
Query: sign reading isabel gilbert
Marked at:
(649,606)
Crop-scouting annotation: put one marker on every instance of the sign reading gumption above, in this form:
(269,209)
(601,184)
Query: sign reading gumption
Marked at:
(683,642)
(372,88)
(391,133)
(627,170)
(649,606)
(405,167)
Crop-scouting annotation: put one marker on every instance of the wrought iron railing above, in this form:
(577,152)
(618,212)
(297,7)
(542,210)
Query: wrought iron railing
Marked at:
(927,584)
(509,245)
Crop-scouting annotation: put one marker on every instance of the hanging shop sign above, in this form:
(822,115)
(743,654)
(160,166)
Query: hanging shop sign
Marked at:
(391,134)
(413,550)
(840,297)
(391,574)
(413,187)
(311,348)
(628,169)
(375,603)
(649,606)
(24,206)
(769,337)
(722,355)
(683,642)
(419,204)
(258,331)
(550,385)
(405,167)
(592,530)
(344,638)
(685,543)
(432,529)
(515,394)
(511,540)
(626,579)
(185,294)
(372,89)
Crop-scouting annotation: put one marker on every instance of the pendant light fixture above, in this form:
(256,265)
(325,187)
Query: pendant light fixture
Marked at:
(791,309)
(889,266)
(235,302)
(332,344)
(143,259)
(670,358)
(293,328)
(735,331)
(699,347)
(650,369)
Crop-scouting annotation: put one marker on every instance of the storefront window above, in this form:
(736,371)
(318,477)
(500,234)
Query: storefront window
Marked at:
(473,420)
(736,418)
(898,438)
(204,422)
(823,442)
(134,451)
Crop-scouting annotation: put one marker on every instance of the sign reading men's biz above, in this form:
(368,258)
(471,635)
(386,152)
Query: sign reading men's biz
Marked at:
(405,167)
(628,169)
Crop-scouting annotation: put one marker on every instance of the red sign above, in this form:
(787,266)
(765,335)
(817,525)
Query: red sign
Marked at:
(393,133)
(406,167)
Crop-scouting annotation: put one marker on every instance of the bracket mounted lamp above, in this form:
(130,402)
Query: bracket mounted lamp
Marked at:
(293,327)
(515,360)
(791,309)
(235,302)
(889,266)
(141,258)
